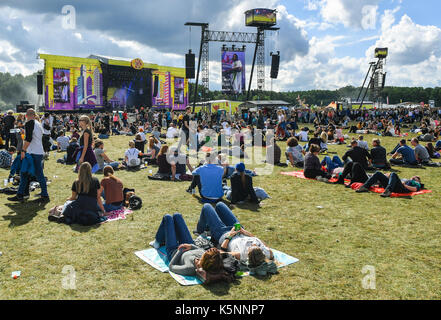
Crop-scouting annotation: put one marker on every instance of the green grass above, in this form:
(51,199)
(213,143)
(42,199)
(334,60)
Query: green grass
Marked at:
(399,237)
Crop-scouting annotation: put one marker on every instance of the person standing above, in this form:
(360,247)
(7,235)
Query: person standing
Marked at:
(8,125)
(32,151)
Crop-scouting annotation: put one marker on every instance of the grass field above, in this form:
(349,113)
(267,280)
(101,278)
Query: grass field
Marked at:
(399,237)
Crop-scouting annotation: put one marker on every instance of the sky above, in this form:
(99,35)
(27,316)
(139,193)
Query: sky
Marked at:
(324,44)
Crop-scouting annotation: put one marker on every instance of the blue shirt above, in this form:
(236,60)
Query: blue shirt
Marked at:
(408,154)
(211,180)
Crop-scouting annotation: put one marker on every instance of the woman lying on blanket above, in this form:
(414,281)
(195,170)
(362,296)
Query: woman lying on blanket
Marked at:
(243,245)
(185,258)
(392,183)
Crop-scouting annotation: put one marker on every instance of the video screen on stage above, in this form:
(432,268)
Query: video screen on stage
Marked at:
(179,90)
(233,72)
(61,86)
(260,17)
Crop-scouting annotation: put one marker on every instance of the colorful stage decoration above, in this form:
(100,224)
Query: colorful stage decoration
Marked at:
(73,83)
(137,64)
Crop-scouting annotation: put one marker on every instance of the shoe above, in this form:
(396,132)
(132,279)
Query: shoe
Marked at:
(42,200)
(17,198)
(348,185)
(386,194)
(362,189)
(339,182)
(155,244)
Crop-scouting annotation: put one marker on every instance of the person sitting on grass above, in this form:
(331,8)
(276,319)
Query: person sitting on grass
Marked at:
(165,167)
(294,153)
(69,157)
(242,186)
(406,153)
(62,142)
(357,154)
(6,157)
(242,244)
(111,190)
(184,256)
(85,206)
(208,179)
(273,152)
(139,143)
(391,183)
(312,166)
(152,151)
(421,153)
(378,154)
(132,154)
(102,158)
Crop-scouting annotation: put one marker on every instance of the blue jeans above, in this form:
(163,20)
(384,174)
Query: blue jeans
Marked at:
(24,177)
(110,207)
(114,165)
(438,144)
(332,164)
(219,221)
(392,184)
(174,232)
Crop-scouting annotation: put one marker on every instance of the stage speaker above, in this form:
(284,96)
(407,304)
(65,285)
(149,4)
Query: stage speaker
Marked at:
(39,84)
(155,86)
(189,65)
(275,61)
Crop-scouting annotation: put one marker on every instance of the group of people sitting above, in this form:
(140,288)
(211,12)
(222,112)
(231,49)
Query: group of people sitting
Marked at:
(355,164)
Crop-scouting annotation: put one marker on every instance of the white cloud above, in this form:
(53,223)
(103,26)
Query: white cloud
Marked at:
(359,14)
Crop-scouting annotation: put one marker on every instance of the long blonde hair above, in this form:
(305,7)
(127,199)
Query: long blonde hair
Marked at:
(86,119)
(84,180)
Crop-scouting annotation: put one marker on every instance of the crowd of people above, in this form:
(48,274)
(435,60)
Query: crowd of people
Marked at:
(165,139)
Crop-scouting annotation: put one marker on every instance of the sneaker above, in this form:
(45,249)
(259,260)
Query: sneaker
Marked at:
(155,244)
(348,185)
(42,200)
(386,194)
(362,189)
(17,198)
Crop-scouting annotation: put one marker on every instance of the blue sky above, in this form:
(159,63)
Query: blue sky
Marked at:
(324,44)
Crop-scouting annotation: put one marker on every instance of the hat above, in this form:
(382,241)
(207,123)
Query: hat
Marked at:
(240,167)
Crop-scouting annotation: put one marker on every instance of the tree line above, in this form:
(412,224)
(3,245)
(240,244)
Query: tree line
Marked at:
(15,88)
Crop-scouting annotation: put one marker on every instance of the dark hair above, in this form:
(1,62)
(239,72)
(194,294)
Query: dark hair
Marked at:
(314,148)
(403,141)
(255,257)
(292,142)
(12,149)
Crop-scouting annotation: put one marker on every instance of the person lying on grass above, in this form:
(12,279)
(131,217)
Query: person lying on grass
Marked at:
(242,244)
(184,256)
(392,183)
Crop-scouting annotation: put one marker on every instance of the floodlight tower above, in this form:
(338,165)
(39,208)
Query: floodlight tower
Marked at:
(378,77)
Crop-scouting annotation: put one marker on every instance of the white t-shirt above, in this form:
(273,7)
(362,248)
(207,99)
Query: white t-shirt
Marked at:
(132,154)
(172,132)
(142,134)
(303,136)
(241,243)
(64,142)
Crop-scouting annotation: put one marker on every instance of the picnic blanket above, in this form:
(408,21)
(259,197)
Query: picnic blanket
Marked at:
(356,186)
(157,258)
(118,215)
